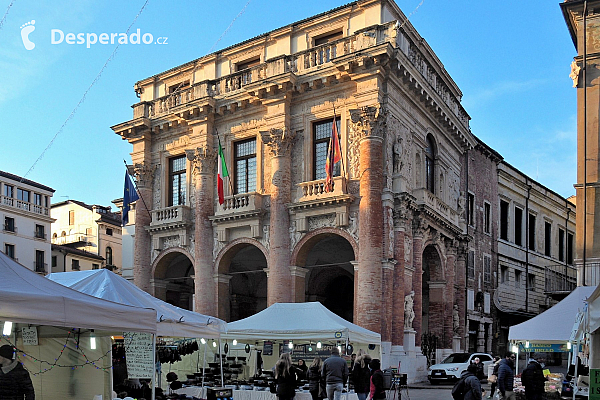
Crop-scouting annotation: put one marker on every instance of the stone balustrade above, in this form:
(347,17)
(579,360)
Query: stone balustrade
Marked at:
(313,190)
(70,239)
(243,202)
(431,201)
(174,215)
(24,205)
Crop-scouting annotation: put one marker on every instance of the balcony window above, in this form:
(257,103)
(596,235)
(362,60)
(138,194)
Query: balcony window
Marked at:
(517,279)
(40,265)
(547,239)
(9,191)
(177,181)
(503,220)
(23,195)
(328,37)
(487,212)
(245,166)
(531,233)
(37,199)
(71,218)
(321,137)
(430,165)
(518,226)
(9,250)
(109,256)
(179,86)
(9,224)
(561,245)
(504,274)
(487,269)
(531,282)
(570,248)
(471,265)
(95,266)
(253,62)
(40,232)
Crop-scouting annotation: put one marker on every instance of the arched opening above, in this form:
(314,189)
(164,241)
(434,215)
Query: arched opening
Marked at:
(330,276)
(434,287)
(174,280)
(245,293)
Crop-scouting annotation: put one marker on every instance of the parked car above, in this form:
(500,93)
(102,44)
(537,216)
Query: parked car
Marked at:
(454,365)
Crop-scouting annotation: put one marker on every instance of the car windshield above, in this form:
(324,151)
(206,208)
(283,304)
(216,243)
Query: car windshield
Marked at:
(456,358)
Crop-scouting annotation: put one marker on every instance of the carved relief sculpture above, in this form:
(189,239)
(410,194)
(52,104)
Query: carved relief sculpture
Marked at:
(202,160)
(278,141)
(143,173)
(398,164)
(575,73)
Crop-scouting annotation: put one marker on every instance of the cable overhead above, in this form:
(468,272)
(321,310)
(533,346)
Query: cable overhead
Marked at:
(6,13)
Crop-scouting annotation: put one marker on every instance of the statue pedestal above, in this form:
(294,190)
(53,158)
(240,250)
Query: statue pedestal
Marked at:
(409,341)
(456,344)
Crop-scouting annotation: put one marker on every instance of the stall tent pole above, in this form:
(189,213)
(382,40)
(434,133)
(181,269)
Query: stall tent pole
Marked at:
(221,361)
(153,366)
(517,361)
(204,364)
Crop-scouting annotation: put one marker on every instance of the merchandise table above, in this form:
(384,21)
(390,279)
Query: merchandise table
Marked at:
(200,393)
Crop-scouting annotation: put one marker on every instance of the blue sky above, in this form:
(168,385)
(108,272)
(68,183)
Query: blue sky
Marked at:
(511,59)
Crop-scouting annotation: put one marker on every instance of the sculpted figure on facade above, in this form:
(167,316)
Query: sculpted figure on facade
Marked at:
(353,225)
(455,320)
(409,312)
(398,151)
(294,235)
(353,152)
(217,246)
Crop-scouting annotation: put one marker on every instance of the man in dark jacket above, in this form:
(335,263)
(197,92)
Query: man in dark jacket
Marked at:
(15,383)
(334,373)
(506,377)
(472,384)
(534,380)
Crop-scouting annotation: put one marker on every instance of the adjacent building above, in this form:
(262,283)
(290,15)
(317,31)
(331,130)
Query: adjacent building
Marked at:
(25,215)
(93,230)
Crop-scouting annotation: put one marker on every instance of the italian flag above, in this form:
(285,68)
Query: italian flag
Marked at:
(222,173)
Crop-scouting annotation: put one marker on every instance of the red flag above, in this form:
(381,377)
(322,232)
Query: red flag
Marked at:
(334,155)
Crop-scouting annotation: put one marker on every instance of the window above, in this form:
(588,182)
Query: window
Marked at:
(179,86)
(322,135)
(561,245)
(504,274)
(487,269)
(54,262)
(503,220)
(95,266)
(547,238)
(109,231)
(40,232)
(177,181)
(46,201)
(9,250)
(40,265)
(245,166)
(486,217)
(109,260)
(518,226)
(37,199)
(23,195)
(71,217)
(253,62)
(531,233)
(471,265)
(471,205)
(75,265)
(430,165)
(328,38)
(531,282)
(9,191)
(54,235)
(88,231)
(9,224)
(517,279)
(569,248)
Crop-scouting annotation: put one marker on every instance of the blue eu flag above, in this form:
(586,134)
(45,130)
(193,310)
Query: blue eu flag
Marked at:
(129,196)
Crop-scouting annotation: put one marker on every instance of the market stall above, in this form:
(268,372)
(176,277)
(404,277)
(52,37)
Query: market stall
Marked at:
(53,327)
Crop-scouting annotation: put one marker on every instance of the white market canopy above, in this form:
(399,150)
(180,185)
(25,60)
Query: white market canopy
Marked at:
(171,321)
(28,298)
(308,321)
(555,324)
(594,310)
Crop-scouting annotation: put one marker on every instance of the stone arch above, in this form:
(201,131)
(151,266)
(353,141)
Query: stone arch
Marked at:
(299,252)
(241,279)
(169,253)
(433,290)
(172,279)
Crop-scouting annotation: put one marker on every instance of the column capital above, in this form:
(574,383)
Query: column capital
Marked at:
(143,173)
(298,271)
(388,264)
(354,265)
(370,121)
(419,228)
(278,141)
(203,160)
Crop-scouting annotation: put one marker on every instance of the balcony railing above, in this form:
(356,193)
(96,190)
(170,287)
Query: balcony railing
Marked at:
(243,202)
(592,274)
(40,267)
(70,239)
(560,279)
(430,200)
(314,190)
(10,228)
(171,215)
(24,205)
(39,235)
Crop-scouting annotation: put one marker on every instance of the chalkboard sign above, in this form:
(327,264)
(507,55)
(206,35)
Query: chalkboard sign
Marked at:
(139,354)
(594,393)
(30,336)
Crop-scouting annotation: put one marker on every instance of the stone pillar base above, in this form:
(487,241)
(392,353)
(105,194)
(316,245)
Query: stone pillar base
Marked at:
(409,341)
(456,344)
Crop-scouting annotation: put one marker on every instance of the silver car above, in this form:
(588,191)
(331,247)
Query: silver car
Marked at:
(454,365)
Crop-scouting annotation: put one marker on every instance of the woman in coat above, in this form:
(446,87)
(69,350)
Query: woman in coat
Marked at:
(285,377)
(314,379)
(377,391)
(361,375)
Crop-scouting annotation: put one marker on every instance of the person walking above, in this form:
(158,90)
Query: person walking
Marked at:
(314,379)
(494,378)
(15,382)
(479,374)
(361,375)
(334,373)
(377,391)
(285,377)
(471,384)
(534,380)
(506,377)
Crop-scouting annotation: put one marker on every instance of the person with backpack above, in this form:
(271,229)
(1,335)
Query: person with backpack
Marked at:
(534,380)
(506,377)
(468,386)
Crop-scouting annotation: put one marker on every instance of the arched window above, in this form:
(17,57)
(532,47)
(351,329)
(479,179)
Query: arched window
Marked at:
(109,260)
(429,165)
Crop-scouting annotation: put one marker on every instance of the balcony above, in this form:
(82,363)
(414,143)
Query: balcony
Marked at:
(170,217)
(76,238)
(240,203)
(7,228)
(24,205)
(560,279)
(39,235)
(425,198)
(39,267)
(592,274)
(315,190)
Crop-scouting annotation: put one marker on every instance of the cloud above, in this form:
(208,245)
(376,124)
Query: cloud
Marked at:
(499,89)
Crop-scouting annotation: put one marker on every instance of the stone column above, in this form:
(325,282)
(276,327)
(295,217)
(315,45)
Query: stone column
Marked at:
(370,124)
(203,160)
(417,284)
(355,269)
(387,299)
(460,293)
(221,281)
(142,262)
(279,286)
(449,303)
(402,255)
(298,283)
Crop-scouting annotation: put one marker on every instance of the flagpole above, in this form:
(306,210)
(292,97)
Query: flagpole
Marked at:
(138,191)
(228,176)
(340,143)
